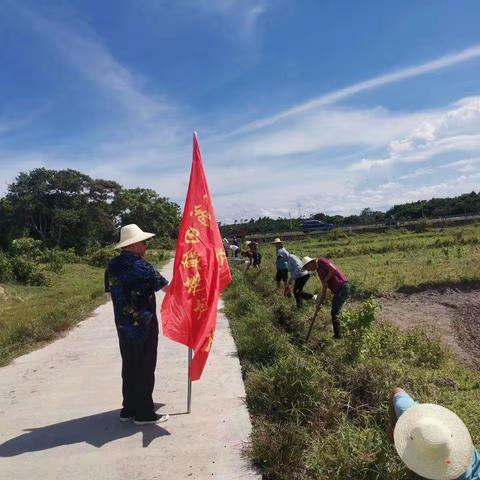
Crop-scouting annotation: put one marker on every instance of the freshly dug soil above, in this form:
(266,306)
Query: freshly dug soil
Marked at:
(454,314)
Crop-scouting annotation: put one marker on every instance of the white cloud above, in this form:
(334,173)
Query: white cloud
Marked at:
(467,162)
(252,17)
(398,194)
(299,157)
(93,61)
(456,128)
(331,127)
(385,79)
(417,173)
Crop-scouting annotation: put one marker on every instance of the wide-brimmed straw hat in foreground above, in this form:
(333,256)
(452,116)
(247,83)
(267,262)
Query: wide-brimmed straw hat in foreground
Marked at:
(277,240)
(130,234)
(306,260)
(433,442)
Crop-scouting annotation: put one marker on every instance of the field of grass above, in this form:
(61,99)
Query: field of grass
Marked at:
(32,315)
(399,261)
(319,409)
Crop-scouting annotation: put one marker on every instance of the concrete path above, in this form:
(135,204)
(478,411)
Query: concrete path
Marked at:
(59,412)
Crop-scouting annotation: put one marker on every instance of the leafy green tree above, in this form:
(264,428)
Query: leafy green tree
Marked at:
(10,227)
(149,211)
(66,208)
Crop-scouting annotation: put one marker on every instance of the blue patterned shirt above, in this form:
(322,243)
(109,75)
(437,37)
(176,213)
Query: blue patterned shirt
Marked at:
(133,281)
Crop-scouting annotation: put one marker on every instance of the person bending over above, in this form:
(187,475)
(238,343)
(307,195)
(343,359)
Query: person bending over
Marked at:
(431,440)
(331,277)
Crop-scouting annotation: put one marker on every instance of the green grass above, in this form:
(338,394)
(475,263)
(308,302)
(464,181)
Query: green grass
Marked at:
(381,264)
(33,315)
(319,409)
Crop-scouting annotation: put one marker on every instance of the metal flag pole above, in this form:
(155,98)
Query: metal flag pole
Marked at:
(189,391)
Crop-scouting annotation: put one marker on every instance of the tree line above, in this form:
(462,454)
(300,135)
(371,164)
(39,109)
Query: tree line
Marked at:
(69,209)
(466,204)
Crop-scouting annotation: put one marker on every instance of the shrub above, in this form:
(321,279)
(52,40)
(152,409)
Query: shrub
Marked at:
(422,346)
(54,260)
(100,257)
(55,265)
(294,388)
(278,449)
(356,324)
(26,246)
(354,453)
(420,227)
(6,270)
(27,272)
(163,255)
(368,385)
(285,316)
(56,255)
(337,234)
(258,343)
(163,243)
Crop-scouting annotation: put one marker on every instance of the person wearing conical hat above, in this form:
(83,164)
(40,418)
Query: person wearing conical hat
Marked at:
(132,282)
(281,263)
(431,440)
(331,277)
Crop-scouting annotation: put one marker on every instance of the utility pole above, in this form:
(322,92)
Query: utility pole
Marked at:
(290,216)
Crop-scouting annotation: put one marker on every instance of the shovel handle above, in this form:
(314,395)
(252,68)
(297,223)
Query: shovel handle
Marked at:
(311,327)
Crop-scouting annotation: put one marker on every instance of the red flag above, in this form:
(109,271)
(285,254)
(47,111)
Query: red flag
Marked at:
(200,272)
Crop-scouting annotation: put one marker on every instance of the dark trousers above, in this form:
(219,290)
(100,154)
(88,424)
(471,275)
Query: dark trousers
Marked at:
(337,303)
(138,375)
(298,292)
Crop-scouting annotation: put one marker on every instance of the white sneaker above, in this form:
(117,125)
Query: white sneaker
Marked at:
(158,419)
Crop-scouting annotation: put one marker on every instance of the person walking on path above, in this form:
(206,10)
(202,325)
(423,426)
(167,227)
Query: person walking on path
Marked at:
(281,263)
(132,282)
(431,440)
(331,277)
(298,278)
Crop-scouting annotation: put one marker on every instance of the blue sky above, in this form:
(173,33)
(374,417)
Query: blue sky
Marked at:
(305,105)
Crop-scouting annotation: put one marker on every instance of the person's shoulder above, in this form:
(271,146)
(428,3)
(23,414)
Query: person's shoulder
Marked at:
(115,261)
(142,263)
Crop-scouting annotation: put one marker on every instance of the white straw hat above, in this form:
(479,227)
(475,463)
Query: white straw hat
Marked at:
(277,240)
(306,260)
(433,442)
(130,234)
